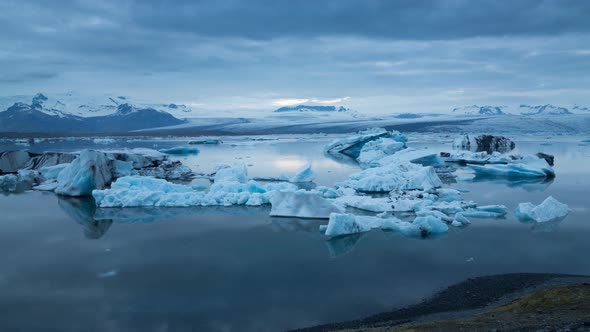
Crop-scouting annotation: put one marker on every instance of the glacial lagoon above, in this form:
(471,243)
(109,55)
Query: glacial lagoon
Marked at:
(70,266)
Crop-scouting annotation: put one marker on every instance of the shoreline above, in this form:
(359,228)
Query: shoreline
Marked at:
(462,301)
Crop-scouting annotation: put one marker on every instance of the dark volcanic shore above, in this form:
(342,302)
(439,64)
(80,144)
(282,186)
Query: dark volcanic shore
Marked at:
(477,304)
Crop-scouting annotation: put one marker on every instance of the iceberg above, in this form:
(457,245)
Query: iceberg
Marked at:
(549,210)
(302,204)
(395,176)
(230,187)
(23,180)
(305,174)
(527,167)
(375,150)
(352,145)
(341,224)
(180,150)
(345,224)
(51,172)
(89,171)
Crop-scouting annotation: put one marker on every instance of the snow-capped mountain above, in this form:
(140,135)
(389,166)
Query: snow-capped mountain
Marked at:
(312,108)
(87,106)
(41,116)
(547,109)
(479,110)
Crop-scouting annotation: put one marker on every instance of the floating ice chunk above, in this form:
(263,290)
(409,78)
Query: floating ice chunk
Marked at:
(430,225)
(352,145)
(460,218)
(8,182)
(423,157)
(302,204)
(345,224)
(474,213)
(305,174)
(147,191)
(23,180)
(238,173)
(327,192)
(51,172)
(394,176)
(549,210)
(434,213)
(49,185)
(89,171)
(122,168)
(499,209)
(180,150)
(367,203)
(528,166)
(372,151)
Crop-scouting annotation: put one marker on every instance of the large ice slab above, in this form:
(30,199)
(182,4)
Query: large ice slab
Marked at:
(341,224)
(302,204)
(549,210)
(526,167)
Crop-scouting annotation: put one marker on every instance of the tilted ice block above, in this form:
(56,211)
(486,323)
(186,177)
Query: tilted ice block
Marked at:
(352,145)
(89,171)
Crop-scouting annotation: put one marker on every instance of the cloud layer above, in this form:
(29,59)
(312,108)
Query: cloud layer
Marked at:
(384,55)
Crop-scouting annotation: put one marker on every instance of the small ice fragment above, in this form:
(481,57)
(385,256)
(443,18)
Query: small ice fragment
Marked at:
(550,209)
(108,274)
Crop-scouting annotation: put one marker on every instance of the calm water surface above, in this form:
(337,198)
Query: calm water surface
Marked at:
(66,266)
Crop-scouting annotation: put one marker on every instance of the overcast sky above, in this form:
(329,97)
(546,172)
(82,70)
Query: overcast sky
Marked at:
(376,56)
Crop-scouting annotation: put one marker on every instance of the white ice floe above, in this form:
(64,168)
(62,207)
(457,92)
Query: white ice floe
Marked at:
(526,167)
(302,204)
(395,176)
(550,209)
(230,187)
(89,171)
